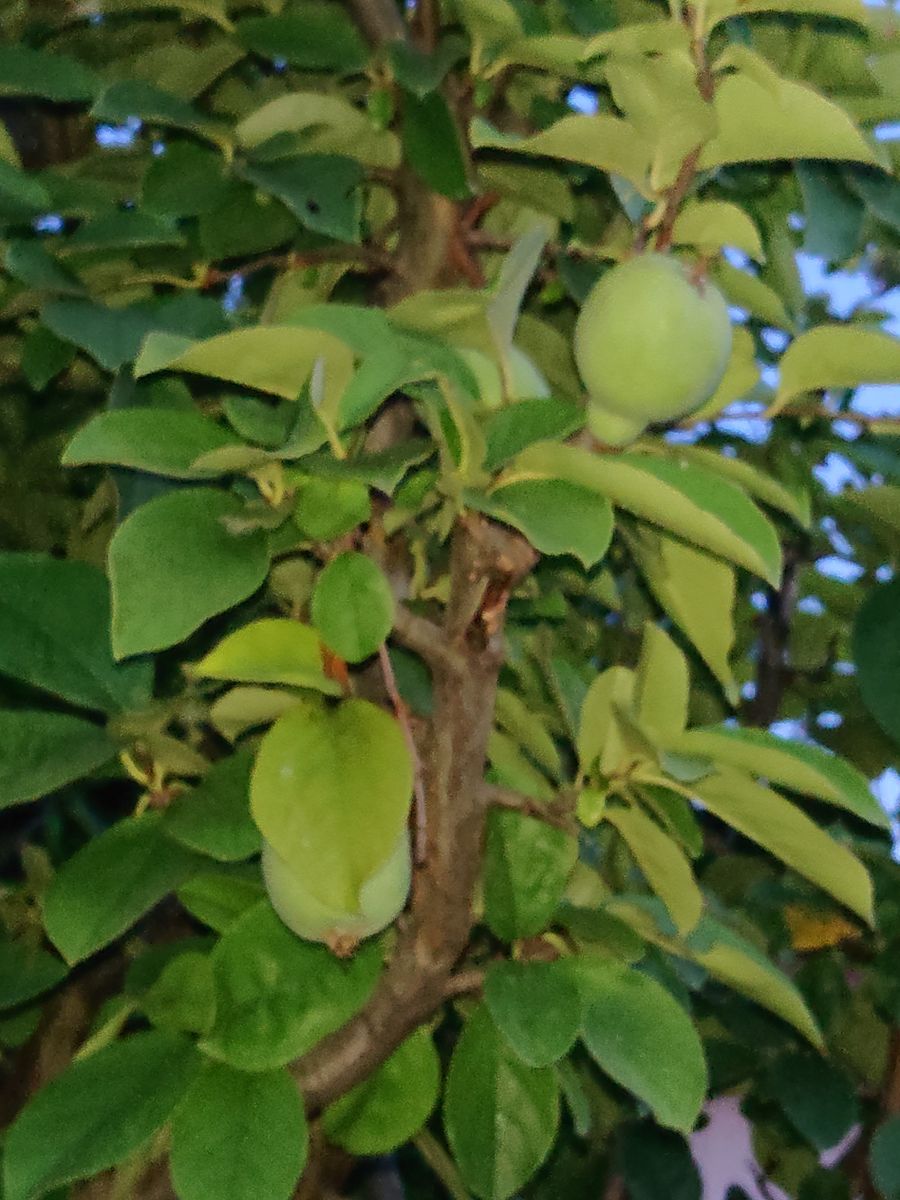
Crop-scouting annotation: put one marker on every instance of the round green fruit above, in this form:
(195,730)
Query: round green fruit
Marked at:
(381,899)
(526,381)
(651,343)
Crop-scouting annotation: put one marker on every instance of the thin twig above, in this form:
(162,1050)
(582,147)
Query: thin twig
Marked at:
(464,983)
(295,260)
(442,1164)
(401,711)
(423,637)
(558,813)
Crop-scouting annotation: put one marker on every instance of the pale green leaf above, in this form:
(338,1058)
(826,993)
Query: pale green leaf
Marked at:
(663,864)
(601,738)
(698,593)
(689,501)
(269,650)
(711,225)
(837,356)
(662,684)
(799,766)
(759,123)
(788,833)
(605,142)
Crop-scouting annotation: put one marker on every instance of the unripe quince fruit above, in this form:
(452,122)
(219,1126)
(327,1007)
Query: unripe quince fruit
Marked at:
(526,381)
(651,343)
(381,899)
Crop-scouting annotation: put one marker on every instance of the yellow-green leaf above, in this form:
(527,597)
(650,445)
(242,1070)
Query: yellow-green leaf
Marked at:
(712,224)
(662,684)
(837,356)
(798,766)
(663,863)
(769,490)
(788,833)
(271,650)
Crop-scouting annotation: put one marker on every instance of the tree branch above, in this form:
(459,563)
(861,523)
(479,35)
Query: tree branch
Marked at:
(488,561)
(379,20)
(423,637)
(558,813)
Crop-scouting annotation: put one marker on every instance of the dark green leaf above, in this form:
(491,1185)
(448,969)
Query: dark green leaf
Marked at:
(817,1097)
(321,190)
(537,1008)
(501,1116)
(320,38)
(239,1136)
(42,751)
(885,1158)
(33,265)
(103,889)
(657,1163)
(876,649)
(96,1113)
(510,429)
(54,633)
(214,817)
(26,971)
(432,147)
(26,72)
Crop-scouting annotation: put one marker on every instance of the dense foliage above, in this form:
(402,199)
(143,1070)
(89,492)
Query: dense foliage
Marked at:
(317,589)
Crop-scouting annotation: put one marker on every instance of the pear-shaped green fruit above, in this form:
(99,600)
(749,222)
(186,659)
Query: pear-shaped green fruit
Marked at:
(381,899)
(651,343)
(526,381)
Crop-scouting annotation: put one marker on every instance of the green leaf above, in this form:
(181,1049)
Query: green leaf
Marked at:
(431,145)
(26,971)
(329,124)
(321,37)
(663,864)
(885,1158)
(182,998)
(510,429)
(711,225)
(799,766)
(96,1113)
(698,593)
(421,73)
(43,751)
(607,143)
(876,651)
(529,729)
(54,633)
(726,956)
(276,996)
(537,1008)
(754,482)
(781,828)
(837,356)
(331,791)
(112,336)
(127,229)
(273,358)
(817,1097)
(601,738)
(185,181)
(352,606)
(239,1136)
(106,886)
(213,818)
(22,197)
(834,215)
(218,897)
(328,508)
(162,441)
(556,516)
(27,72)
(687,500)
(662,684)
(501,1116)
(321,190)
(392,1105)
(173,564)
(44,356)
(656,1162)
(153,105)
(270,650)
(527,867)
(761,120)
(29,262)
(642,1037)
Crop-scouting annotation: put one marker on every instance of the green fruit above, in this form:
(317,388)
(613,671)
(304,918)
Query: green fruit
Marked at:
(381,899)
(526,381)
(651,344)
